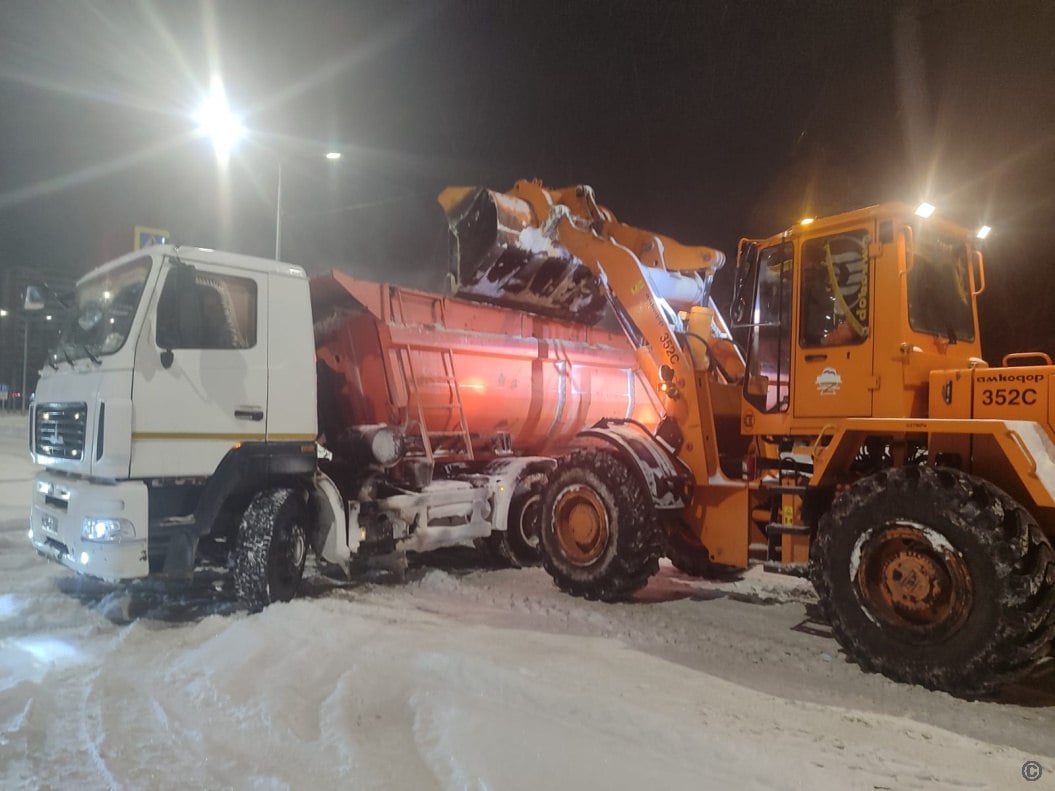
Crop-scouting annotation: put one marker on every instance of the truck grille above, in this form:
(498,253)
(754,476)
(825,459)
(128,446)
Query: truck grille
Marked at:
(58,430)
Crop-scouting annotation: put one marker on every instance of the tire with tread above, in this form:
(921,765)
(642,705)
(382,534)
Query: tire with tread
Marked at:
(1009,624)
(693,559)
(518,545)
(271,548)
(634,544)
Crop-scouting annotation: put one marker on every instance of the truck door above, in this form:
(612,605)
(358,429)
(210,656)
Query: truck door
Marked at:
(833,352)
(200,380)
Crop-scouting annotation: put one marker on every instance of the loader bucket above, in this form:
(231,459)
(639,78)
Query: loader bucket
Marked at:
(500,256)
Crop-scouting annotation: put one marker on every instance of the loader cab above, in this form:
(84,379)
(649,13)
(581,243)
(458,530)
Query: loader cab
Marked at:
(846,316)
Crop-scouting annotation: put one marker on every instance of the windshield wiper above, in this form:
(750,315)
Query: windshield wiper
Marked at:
(66,354)
(91,356)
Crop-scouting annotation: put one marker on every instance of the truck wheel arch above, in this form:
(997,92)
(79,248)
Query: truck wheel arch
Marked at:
(244,471)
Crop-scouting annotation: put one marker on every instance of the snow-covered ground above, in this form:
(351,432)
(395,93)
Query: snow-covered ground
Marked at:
(465,677)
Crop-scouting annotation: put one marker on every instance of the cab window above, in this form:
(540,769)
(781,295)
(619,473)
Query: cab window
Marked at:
(939,292)
(768,382)
(835,299)
(210,311)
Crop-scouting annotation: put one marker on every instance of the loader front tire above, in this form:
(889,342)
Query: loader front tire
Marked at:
(271,548)
(935,577)
(600,537)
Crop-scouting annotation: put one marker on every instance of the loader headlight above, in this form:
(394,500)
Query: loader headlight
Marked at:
(95,528)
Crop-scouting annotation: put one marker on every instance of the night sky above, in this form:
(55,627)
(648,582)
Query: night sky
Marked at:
(702,120)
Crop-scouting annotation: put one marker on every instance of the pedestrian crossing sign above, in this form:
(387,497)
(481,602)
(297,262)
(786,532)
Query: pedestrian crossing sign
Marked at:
(145,237)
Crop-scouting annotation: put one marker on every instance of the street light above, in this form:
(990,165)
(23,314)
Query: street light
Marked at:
(217,122)
(224,127)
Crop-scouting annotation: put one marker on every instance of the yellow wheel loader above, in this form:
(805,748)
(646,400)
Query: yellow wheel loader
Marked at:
(858,437)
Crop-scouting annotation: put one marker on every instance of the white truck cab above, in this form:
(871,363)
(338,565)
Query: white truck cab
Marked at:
(181,375)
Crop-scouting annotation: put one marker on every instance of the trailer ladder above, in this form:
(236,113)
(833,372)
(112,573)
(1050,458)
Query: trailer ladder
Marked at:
(447,445)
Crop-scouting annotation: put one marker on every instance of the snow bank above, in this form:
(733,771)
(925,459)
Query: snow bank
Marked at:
(458,679)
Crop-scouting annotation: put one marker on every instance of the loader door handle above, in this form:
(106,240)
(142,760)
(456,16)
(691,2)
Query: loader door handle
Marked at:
(813,358)
(254,413)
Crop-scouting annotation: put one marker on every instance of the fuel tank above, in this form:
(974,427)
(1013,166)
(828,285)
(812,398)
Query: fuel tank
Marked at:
(451,372)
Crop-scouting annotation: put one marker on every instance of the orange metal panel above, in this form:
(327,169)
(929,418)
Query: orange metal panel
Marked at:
(387,350)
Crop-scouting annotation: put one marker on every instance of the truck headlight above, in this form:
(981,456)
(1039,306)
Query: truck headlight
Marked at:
(95,528)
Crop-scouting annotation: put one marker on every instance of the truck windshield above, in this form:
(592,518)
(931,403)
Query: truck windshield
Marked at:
(100,319)
(939,288)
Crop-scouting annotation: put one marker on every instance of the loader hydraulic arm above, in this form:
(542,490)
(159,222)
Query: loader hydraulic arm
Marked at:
(545,241)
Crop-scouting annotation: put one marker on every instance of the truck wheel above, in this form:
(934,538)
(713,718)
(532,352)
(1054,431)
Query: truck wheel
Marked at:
(600,537)
(518,545)
(935,577)
(272,548)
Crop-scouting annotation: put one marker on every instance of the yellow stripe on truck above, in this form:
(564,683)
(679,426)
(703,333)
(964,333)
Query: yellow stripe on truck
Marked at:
(165,435)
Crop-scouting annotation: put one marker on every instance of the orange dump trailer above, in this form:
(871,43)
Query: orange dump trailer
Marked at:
(443,414)
(461,379)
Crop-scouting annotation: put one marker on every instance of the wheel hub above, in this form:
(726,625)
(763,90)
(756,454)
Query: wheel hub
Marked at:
(529,522)
(581,525)
(916,585)
(298,547)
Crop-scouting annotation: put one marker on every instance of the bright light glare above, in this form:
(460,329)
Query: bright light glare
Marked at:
(3,312)
(85,557)
(333,155)
(216,120)
(925,210)
(47,649)
(48,317)
(806,221)
(984,231)
(9,606)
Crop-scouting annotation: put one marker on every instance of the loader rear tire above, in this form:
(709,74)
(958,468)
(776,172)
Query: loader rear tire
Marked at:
(271,549)
(935,577)
(600,537)
(693,559)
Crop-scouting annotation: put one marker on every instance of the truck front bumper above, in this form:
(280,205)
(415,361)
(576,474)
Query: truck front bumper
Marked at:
(63,507)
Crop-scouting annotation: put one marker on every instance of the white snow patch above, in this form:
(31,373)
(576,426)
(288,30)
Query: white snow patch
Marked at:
(463,679)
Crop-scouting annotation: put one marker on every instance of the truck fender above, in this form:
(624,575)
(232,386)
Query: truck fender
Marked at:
(505,474)
(331,539)
(664,479)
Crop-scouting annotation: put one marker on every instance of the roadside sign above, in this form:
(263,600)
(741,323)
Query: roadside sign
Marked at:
(145,237)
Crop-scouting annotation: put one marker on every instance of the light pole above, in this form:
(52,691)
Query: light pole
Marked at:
(7,392)
(32,303)
(220,124)
(25,361)
(330,156)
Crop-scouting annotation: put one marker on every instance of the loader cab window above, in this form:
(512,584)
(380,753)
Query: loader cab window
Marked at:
(769,350)
(835,299)
(939,288)
(204,310)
